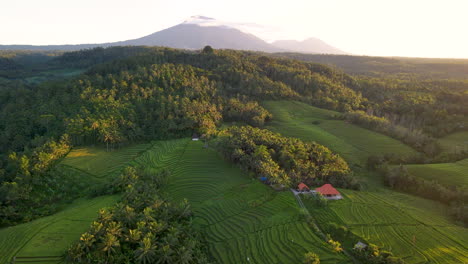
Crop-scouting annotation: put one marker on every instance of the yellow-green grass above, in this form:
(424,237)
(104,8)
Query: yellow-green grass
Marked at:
(51,235)
(410,227)
(355,144)
(242,220)
(455,142)
(453,174)
(101,163)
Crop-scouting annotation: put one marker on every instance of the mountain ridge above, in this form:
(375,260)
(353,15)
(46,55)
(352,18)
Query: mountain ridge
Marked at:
(195,33)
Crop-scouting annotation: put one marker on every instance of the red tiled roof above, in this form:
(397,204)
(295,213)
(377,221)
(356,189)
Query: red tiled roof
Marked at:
(327,189)
(302,186)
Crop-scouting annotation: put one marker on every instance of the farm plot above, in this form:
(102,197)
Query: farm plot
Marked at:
(51,235)
(455,142)
(452,174)
(101,163)
(242,220)
(414,230)
(355,144)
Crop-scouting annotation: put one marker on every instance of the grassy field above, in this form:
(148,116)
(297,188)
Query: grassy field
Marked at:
(452,174)
(51,235)
(455,142)
(101,163)
(410,227)
(355,144)
(242,220)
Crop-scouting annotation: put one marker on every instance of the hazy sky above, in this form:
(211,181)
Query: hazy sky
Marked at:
(417,28)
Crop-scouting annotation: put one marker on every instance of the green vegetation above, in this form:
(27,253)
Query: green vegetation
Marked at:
(309,123)
(377,215)
(451,174)
(283,161)
(454,143)
(118,97)
(101,163)
(410,227)
(142,228)
(51,235)
(241,218)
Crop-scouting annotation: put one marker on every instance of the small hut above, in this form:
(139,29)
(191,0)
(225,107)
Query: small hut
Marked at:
(329,192)
(360,246)
(303,187)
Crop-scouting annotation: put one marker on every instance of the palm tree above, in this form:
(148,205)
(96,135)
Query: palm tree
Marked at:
(165,255)
(109,243)
(185,255)
(146,252)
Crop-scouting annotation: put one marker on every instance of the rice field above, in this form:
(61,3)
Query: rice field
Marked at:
(416,229)
(242,220)
(353,143)
(452,174)
(51,235)
(455,142)
(101,163)
(410,227)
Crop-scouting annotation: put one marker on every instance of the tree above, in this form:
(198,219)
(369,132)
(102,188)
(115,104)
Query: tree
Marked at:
(311,258)
(208,50)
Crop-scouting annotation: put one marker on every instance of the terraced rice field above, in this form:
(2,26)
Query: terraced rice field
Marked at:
(242,220)
(410,227)
(51,235)
(455,142)
(101,163)
(452,174)
(414,228)
(355,144)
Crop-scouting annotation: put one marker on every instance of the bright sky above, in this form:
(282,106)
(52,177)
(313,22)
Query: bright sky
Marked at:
(416,28)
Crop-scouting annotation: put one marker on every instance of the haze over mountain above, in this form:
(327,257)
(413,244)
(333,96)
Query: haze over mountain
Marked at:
(199,31)
(310,45)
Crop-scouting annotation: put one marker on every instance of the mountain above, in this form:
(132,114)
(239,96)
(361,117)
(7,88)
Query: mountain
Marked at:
(310,45)
(197,32)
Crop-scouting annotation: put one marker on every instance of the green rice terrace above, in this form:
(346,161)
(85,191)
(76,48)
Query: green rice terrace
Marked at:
(245,221)
(355,144)
(50,236)
(455,142)
(452,174)
(410,227)
(242,220)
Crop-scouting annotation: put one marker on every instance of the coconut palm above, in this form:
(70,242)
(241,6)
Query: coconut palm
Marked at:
(146,252)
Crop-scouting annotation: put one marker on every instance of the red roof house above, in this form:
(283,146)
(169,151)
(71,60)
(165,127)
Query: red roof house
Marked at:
(329,192)
(302,187)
